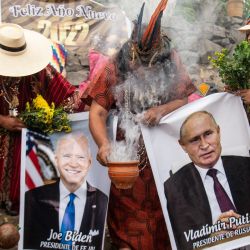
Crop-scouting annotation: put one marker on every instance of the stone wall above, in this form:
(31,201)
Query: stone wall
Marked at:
(195,42)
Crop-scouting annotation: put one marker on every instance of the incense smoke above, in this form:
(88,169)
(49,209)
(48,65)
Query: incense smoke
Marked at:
(146,88)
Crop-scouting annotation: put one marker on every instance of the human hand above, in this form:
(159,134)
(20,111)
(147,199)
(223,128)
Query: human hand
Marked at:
(103,153)
(228,89)
(152,116)
(11,123)
(245,95)
(224,217)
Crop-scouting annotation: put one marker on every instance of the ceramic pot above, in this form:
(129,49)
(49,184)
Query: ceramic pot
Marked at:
(123,174)
(235,8)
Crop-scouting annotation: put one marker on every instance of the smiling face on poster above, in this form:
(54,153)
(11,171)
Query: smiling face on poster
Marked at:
(73,160)
(202,174)
(66,206)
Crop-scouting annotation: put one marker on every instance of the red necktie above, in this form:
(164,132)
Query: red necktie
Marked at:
(223,200)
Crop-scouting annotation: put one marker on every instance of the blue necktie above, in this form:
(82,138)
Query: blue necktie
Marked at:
(68,222)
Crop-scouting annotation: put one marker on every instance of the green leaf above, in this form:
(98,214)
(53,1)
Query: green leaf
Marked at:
(233,69)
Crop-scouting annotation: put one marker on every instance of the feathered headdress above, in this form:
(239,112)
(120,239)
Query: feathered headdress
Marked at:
(147,45)
(151,36)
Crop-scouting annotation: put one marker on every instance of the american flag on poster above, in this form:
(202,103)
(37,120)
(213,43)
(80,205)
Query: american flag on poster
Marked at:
(33,174)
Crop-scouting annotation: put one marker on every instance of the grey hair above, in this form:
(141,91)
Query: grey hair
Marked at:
(78,137)
(198,113)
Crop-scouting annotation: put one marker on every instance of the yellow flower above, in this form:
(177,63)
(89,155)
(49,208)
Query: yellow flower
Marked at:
(53,105)
(49,115)
(27,108)
(39,115)
(40,103)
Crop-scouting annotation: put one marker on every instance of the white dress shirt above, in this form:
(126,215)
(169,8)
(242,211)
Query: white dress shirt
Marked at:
(208,183)
(79,201)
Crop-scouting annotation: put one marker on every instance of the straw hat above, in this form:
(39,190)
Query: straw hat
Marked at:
(22,52)
(246,27)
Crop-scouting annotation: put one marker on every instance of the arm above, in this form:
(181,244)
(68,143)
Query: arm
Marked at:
(153,115)
(245,95)
(225,216)
(184,88)
(97,124)
(11,123)
(60,91)
(224,220)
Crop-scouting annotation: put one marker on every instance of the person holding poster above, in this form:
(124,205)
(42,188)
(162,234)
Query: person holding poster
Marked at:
(69,212)
(245,93)
(208,196)
(24,73)
(135,217)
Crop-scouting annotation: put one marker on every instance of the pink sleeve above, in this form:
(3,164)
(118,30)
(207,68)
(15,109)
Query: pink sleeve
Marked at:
(183,84)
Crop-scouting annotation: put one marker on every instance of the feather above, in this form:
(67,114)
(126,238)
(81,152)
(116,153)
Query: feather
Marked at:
(139,26)
(155,34)
(153,28)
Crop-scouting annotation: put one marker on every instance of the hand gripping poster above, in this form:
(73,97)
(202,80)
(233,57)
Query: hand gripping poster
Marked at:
(76,29)
(64,190)
(200,160)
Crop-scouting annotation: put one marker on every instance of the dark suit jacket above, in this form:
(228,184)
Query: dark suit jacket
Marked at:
(41,215)
(187,202)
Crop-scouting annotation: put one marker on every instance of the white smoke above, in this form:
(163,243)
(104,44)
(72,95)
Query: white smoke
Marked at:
(141,90)
(190,24)
(126,150)
(146,87)
(186,30)
(132,8)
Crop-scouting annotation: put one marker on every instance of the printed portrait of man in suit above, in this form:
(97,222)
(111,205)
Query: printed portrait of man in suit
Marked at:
(68,212)
(211,189)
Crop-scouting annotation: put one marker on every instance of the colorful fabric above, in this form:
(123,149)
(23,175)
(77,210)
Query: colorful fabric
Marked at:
(193,97)
(97,62)
(54,88)
(59,56)
(135,217)
(102,79)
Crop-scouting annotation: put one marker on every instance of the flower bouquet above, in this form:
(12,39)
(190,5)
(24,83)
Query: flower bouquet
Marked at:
(234,68)
(42,117)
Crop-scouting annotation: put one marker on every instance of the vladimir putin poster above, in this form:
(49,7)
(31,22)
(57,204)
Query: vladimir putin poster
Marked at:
(200,160)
